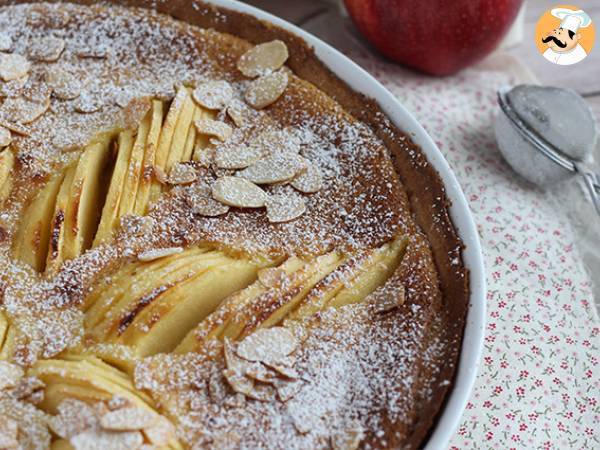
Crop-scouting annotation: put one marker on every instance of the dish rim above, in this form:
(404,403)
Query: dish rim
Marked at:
(361,81)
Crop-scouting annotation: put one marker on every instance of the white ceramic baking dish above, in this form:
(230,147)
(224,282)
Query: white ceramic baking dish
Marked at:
(361,81)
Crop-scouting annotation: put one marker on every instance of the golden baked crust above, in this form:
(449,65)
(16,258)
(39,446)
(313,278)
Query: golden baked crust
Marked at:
(394,364)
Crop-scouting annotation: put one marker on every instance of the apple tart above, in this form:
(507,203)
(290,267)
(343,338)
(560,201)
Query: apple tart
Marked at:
(207,240)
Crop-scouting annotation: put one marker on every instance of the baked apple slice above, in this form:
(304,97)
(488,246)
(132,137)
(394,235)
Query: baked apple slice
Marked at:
(7,162)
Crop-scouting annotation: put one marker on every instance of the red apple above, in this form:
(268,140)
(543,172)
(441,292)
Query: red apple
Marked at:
(439,37)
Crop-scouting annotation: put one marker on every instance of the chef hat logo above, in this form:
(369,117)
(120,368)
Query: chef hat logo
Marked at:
(565,35)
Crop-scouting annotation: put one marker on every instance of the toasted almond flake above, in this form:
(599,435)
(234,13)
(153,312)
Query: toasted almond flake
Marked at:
(23,111)
(137,226)
(161,433)
(262,392)
(272,277)
(284,207)
(29,389)
(9,430)
(89,103)
(135,111)
(65,86)
(205,205)
(309,181)
(258,372)
(160,175)
(228,440)
(74,417)
(129,418)
(46,49)
(219,173)
(213,94)
(348,438)
(10,374)
(238,192)
(104,440)
(93,52)
(15,127)
(205,156)
(263,59)
(13,88)
(233,361)
(266,90)
(6,42)
(5,140)
(13,66)
(286,390)
(239,383)
(151,255)
(237,113)
(287,372)
(267,344)
(237,156)
(118,402)
(38,91)
(388,301)
(276,168)
(214,128)
(182,173)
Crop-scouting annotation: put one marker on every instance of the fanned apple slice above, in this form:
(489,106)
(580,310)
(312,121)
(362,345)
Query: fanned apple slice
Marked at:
(178,143)
(33,232)
(7,162)
(134,279)
(55,256)
(190,142)
(143,193)
(4,326)
(256,305)
(109,219)
(134,172)
(162,325)
(85,197)
(354,280)
(8,346)
(182,98)
(214,325)
(87,379)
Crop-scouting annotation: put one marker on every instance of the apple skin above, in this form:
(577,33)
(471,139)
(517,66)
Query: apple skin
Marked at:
(439,37)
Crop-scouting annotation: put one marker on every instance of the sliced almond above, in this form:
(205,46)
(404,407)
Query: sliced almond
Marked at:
(13,66)
(258,372)
(267,344)
(29,389)
(276,168)
(213,94)
(93,52)
(5,140)
(235,401)
(137,226)
(153,254)
(10,374)
(349,438)
(239,383)
(284,207)
(15,127)
(6,42)
(236,111)
(205,156)
(65,86)
(103,440)
(182,173)
(128,419)
(216,128)
(13,88)
(23,111)
(388,301)
(286,390)
(266,90)
(74,417)
(135,111)
(9,431)
(88,103)
(233,361)
(263,392)
(160,175)
(263,59)
(237,156)
(238,192)
(309,181)
(161,432)
(47,49)
(207,206)
(118,402)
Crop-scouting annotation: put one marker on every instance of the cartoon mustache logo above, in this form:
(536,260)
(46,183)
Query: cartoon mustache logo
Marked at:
(558,42)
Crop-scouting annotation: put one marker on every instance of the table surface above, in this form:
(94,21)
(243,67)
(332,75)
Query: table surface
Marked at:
(583,77)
